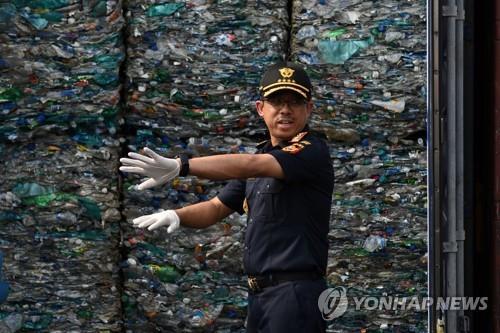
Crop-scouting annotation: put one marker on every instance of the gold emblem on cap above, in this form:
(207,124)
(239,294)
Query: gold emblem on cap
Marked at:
(286,72)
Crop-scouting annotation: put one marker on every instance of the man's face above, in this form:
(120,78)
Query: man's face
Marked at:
(285,114)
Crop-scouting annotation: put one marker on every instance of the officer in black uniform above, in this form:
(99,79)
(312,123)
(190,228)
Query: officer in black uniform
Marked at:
(285,190)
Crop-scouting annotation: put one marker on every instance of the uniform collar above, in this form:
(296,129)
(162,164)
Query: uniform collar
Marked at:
(265,146)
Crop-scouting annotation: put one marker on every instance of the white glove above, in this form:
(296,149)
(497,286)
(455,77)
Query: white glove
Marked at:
(158,168)
(153,221)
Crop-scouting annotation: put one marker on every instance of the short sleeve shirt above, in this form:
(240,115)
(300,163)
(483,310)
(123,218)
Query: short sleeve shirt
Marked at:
(288,219)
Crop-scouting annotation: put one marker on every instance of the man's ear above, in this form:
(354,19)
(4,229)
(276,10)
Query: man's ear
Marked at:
(259,105)
(309,107)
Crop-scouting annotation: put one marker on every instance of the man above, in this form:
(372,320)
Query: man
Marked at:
(285,189)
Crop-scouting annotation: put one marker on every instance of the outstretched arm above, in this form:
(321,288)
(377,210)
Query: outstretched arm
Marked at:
(160,169)
(235,166)
(203,214)
(200,215)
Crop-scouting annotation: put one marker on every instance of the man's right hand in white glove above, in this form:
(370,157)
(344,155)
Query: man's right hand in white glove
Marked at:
(159,169)
(153,221)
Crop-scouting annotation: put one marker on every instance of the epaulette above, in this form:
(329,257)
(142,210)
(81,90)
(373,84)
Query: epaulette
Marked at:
(296,144)
(298,137)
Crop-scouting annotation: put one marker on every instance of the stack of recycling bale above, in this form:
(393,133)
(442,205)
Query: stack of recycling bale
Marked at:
(195,66)
(192,75)
(59,202)
(367,63)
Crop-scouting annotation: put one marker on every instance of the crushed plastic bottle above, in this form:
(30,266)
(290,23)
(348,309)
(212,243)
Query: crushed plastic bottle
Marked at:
(11,323)
(374,243)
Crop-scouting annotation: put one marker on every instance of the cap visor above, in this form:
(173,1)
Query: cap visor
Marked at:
(272,91)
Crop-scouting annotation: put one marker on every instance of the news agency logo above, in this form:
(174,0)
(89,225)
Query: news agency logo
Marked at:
(333,303)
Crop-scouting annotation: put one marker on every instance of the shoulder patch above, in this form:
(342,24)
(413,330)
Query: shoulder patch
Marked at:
(298,137)
(294,148)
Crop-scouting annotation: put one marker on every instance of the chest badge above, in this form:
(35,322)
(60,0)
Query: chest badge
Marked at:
(245,206)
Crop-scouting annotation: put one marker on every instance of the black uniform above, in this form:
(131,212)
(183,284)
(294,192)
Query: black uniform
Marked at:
(286,245)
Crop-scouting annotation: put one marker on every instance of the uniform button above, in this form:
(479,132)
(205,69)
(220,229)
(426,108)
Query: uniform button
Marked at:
(246,247)
(251,220)
(267,185)
(258,192)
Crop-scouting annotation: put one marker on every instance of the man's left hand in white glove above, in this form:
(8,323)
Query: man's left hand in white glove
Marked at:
(166,218)
(159,169)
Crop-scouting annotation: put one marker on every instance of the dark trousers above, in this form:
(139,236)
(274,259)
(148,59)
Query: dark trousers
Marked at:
(288,307)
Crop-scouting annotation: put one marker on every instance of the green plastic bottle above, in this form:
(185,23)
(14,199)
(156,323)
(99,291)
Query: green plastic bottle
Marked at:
(10,94)
(164,10)
(165,273)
